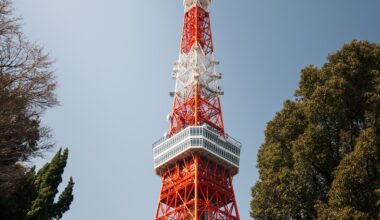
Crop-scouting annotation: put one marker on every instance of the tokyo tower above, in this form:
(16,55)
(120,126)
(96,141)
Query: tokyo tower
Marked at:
(196,159)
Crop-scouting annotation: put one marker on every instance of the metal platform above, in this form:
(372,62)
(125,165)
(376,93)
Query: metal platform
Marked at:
(224,150)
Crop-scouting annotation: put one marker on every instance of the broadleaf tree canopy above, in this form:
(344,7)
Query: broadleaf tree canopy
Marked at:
(321,155)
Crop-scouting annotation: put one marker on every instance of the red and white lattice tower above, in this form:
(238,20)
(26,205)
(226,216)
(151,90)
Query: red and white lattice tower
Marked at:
(196,160)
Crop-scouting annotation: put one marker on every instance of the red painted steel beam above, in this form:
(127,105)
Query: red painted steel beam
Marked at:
(207,191)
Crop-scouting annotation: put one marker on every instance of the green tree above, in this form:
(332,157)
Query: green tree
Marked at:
(27,86)
(46,183)
(321,155)
(35,198)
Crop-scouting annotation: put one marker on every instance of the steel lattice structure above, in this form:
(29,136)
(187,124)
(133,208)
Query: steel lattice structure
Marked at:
(196,160)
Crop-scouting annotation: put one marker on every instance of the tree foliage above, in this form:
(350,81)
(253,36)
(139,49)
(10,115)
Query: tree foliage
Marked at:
(35,198)
(27,89)
(321,155)
(27,86)
(46,183)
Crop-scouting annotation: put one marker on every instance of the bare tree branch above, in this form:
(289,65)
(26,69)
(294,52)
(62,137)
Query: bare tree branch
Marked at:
(27,86)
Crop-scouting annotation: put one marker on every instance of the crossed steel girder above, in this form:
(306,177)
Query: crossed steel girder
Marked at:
(195,110)
(196,106)
(197,189)
(197,28)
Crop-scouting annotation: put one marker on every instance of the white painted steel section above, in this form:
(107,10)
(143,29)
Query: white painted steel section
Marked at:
(201,3)
(196,68)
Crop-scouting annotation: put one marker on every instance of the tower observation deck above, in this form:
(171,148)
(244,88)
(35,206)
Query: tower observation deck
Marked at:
(196,159)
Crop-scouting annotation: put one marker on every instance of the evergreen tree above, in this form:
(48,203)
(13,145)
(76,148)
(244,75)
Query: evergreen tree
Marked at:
(321,155)
(35,197)
(46,184)
(27,86)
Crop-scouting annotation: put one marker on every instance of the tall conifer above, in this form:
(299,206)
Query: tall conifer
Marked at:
(46,183)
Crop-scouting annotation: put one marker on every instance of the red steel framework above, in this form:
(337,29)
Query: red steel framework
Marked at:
(196,28)
(196,107)
(196,188)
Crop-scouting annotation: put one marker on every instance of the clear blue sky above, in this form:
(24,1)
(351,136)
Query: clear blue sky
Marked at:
(114,61)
